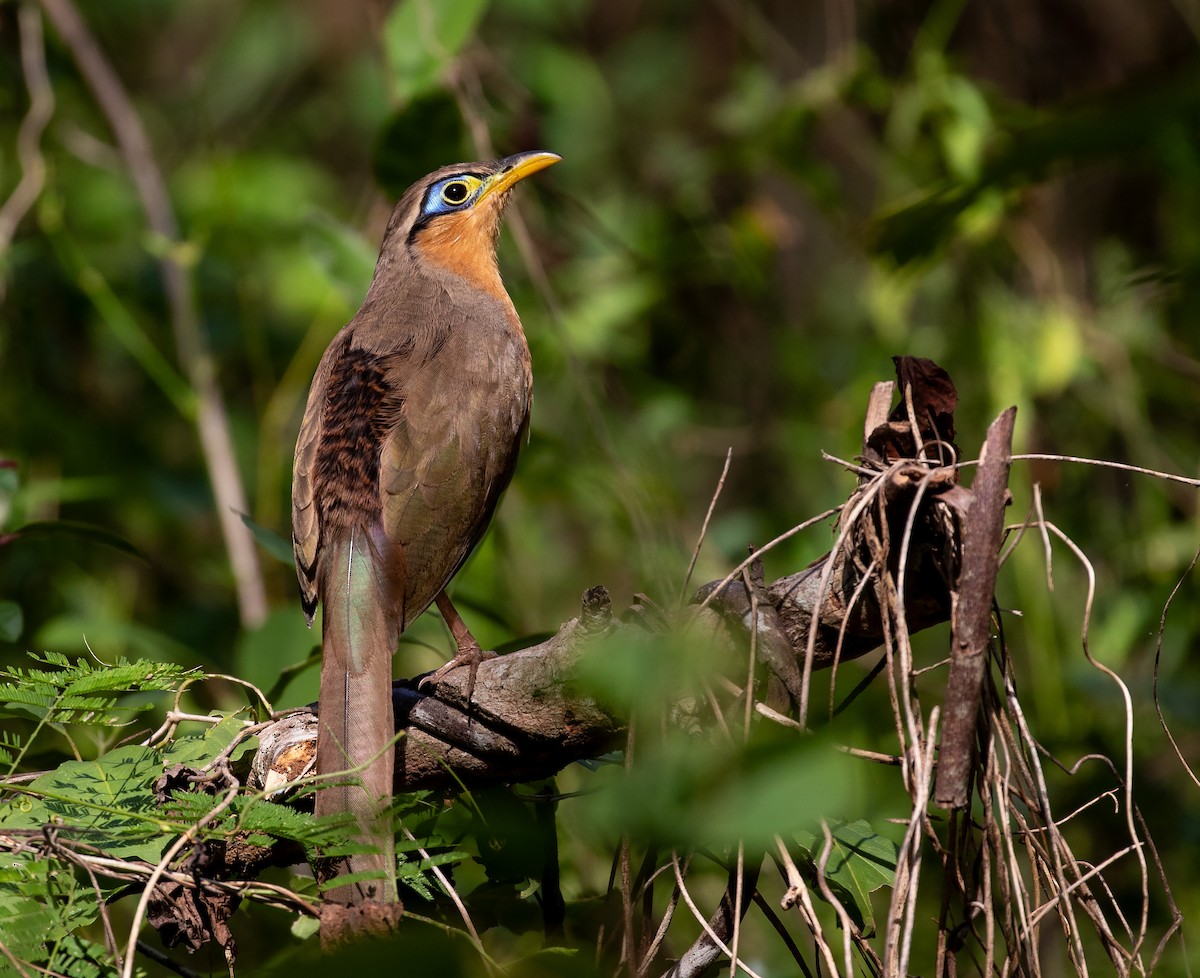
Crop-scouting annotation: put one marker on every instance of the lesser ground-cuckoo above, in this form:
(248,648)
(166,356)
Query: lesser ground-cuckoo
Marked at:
(411,433)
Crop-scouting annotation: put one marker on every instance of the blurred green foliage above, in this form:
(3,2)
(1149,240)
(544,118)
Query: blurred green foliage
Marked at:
(759,204)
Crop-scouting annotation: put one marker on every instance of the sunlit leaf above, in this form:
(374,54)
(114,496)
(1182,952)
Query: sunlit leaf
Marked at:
(422,37)
(108,803)
(860,860)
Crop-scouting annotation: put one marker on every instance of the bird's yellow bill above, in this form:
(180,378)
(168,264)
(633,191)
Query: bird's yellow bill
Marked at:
(519,167)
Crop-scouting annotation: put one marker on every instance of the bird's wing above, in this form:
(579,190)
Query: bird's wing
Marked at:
(306,524)
(431,492)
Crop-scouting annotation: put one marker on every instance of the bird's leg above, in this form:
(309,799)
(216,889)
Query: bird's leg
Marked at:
(469,653)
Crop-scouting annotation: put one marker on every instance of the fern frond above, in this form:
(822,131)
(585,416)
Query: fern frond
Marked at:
(82,692)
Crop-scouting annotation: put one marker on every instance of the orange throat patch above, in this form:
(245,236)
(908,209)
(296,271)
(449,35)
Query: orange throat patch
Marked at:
(465,244)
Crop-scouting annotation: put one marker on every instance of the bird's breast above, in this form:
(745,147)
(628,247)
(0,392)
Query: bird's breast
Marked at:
(484,394)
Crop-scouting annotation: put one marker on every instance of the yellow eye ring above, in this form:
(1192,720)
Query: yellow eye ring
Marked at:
(456,192)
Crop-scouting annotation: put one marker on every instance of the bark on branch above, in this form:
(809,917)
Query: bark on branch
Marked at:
(982,531)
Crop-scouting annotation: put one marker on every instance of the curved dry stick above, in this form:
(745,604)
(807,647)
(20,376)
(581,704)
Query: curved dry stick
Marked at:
(175,715)
(192,349)
(860,589)
(246,684)
(29,136)
(1011,863)
(1056,853)
(1135,839)
(110,937)
(1102,463)
(902,905)
(707,927)
(461,907)
(760,551)
(901,627)
(844,531)
(1096,870)
(848,928)
(798,895)
(1045,535)
(668,916)
(752,656)
(712,505)
(738,890)
(988,846)
(1176,913)
(268,894)
(1162,627)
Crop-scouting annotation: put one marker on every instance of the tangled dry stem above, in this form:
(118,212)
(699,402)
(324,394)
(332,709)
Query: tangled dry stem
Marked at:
(1008,868)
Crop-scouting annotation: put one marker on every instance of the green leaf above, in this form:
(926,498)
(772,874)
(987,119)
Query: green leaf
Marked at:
(27,925)
(10,742)
(40,903)
(80,691)
(108,803)
(12,620)
(305,927)
(860,861)
(270,540)
(422,37)
(84,531)
(197,751)
(81,958)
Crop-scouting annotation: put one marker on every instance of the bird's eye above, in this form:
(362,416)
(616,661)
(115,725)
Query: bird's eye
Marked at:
(455,192)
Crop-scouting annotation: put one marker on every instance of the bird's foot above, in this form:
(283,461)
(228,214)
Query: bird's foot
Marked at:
(467,655)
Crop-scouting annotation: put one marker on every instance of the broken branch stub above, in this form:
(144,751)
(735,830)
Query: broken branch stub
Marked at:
(982,530)
(907,504)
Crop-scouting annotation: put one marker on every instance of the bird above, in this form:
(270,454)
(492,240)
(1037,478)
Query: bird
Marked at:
(414,420)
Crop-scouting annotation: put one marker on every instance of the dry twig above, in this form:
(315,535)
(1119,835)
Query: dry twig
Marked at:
(192,348)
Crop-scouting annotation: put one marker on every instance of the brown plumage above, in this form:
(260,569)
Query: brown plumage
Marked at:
(411,433)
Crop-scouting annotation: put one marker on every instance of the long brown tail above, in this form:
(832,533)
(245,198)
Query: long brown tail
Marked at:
(355,722)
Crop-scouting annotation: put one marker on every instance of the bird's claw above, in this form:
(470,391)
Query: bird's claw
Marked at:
(468,656)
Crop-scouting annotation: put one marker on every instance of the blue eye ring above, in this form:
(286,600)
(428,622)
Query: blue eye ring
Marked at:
(452,193)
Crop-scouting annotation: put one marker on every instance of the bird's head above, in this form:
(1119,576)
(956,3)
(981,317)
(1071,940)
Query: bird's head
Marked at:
(450,219)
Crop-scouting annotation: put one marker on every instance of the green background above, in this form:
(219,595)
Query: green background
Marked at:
(759,205)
